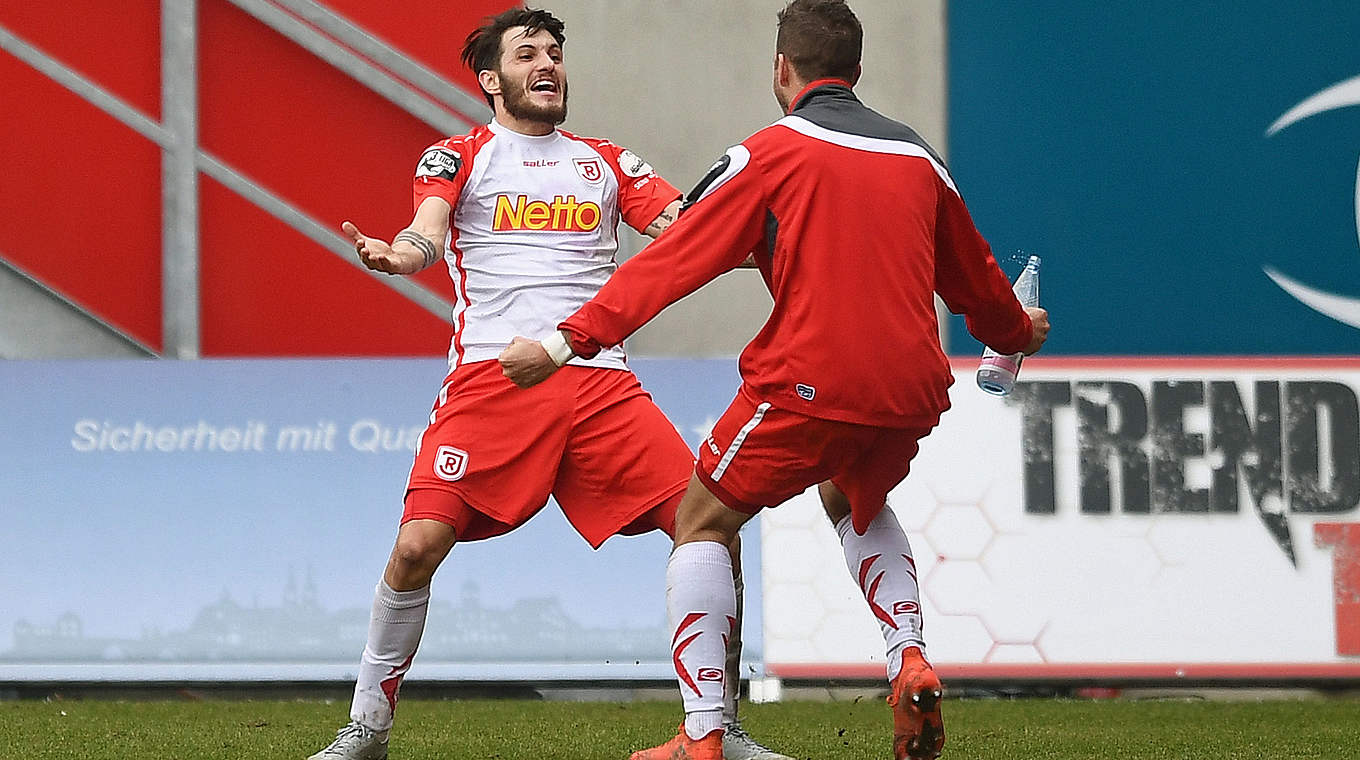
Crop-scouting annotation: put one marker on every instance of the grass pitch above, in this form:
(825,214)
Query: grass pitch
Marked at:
(508,729)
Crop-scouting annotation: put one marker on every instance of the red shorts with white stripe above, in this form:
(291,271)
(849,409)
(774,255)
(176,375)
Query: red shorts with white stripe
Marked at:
(761,456)
(592,438)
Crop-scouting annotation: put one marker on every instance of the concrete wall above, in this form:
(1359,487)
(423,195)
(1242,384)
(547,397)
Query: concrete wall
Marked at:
(36,323)
(680,81)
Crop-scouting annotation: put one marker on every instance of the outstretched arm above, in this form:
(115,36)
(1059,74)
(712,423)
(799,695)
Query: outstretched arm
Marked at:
(970,282)
(723,222)
(668,216)
(414,248)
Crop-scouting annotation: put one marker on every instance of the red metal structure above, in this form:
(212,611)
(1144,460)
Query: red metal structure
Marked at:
(303,115)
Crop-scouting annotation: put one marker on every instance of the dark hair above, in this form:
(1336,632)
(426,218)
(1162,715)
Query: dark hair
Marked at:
(821,38)
(482,48)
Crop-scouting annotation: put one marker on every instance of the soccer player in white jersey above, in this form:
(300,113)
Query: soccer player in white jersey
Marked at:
(524,215)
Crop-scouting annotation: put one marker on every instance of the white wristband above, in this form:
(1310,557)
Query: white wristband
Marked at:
(559,350)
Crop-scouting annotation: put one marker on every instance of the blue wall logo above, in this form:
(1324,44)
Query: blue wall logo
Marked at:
(1180,169)
(1342,308)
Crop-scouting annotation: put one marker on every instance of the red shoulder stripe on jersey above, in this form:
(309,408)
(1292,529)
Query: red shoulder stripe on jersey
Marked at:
(642,197)
(466,146)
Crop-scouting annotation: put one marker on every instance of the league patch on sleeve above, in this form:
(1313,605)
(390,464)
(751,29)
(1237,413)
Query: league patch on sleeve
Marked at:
(439,163)
(632,165)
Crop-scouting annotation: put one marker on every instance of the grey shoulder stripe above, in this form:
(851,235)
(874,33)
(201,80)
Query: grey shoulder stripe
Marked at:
(730,165)
(870,144)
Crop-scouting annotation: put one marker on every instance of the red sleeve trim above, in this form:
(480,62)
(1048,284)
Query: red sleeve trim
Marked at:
(643,195)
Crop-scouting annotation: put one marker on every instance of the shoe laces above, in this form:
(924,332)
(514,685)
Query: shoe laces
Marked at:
(737,733)
(352,735)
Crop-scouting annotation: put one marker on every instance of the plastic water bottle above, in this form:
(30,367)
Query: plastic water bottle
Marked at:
(996,374)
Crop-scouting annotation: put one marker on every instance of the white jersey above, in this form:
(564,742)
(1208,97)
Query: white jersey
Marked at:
(533,230)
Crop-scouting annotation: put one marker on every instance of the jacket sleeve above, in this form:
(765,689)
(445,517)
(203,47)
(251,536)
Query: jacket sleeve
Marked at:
(722,223)
(970,282)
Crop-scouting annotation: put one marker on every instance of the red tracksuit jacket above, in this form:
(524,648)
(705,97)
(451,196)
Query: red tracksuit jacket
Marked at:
(855,224)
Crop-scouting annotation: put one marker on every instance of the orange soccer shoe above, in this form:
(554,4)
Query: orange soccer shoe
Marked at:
(918,728)
(684,748)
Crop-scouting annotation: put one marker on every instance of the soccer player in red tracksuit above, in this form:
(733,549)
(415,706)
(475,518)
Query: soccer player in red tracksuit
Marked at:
(855,223)
(525,216)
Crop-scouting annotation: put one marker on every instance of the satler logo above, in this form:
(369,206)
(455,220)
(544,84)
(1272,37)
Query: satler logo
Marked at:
(589,169)
(906,608)
(450,463)
(710,674)
(562,215)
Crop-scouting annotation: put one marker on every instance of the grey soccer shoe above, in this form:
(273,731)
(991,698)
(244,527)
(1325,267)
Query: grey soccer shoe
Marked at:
(738,745)
(355,742)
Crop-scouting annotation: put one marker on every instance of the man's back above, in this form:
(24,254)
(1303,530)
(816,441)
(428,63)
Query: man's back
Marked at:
(850,258)
(855,223)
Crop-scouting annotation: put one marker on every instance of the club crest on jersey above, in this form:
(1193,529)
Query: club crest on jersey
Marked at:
(439,163)
(450,463)
(590,169)
(562,215)
(632,165)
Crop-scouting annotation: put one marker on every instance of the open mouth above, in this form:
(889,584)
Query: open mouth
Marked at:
(546,86)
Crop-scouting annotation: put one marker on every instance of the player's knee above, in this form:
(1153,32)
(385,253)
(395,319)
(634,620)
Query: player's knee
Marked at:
(415,558)
(414,552)
(703,517)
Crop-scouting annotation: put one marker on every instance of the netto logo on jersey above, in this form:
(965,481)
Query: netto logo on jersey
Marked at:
(562,215)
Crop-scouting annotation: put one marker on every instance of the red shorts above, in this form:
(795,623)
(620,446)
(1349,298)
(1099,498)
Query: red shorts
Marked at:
(761,456)
(591,438)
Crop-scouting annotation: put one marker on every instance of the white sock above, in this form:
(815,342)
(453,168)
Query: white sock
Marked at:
(702,607)
(732,683)
(394,629)
(881,563)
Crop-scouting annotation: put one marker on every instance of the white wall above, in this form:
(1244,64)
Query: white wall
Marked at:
(680,81)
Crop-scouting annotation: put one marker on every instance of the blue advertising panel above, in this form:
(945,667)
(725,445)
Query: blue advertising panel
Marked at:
(1188,171)
(229,519)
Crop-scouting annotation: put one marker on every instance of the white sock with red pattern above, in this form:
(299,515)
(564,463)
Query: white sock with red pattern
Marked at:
(702,607)
(881,563)
(394,629)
